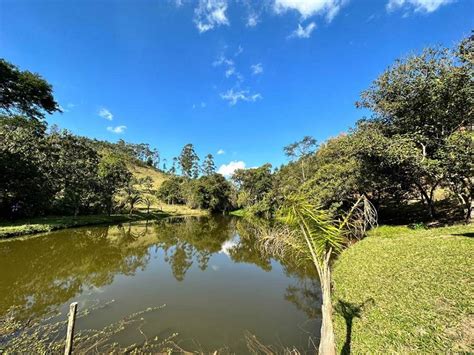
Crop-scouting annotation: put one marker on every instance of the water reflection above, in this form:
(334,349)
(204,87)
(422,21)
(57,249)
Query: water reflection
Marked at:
(40,274)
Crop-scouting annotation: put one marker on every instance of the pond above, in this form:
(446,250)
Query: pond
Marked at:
(216,285)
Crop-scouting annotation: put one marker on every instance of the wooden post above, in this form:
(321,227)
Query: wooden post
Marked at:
(70,328)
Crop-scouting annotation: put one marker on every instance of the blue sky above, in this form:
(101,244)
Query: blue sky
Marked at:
(242,78)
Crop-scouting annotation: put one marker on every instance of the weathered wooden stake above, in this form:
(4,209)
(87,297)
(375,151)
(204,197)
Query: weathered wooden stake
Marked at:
(70,328)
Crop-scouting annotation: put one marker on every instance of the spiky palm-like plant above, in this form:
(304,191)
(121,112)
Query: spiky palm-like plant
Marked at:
(312,233)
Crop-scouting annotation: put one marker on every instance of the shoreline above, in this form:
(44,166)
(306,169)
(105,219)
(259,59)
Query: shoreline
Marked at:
(47,224)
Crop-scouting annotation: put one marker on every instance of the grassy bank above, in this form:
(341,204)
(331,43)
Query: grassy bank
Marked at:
(406,291)
(50,223)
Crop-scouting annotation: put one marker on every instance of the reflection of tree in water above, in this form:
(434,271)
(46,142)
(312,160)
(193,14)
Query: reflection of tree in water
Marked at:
(306,296)
(305,293)
(186,239)
(39,274)
(246,250)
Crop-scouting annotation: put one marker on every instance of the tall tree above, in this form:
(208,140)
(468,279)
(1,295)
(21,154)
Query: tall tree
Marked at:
(172,170)
(25,93)
(27,185)
(76,172)
(418,103)
(189,161)
(113,176)
(255,189)
(300,151)
(208,166)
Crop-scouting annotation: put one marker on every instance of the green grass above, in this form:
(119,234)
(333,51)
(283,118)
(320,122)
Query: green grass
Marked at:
(238,213)
(406,291)
(48,224)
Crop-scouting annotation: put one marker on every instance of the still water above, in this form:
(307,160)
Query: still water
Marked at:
(217,287)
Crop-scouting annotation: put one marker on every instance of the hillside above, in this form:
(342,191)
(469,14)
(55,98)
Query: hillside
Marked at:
(140,170)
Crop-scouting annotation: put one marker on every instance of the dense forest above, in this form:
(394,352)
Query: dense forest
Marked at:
(412,155)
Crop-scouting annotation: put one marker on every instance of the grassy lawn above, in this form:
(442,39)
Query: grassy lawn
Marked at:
(406,291)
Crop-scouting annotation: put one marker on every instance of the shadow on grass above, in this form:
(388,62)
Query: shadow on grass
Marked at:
(350,311)
(467,234)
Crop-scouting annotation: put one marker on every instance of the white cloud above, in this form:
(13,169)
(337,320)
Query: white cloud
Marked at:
(240,49)
(68,107)
(209,14)
(223,60)
(220,152)
(303,32)
(104,113)
(117,129)
(252,20)
(229,72)
(257,69)
(228,169)
(243,95)
(230,67)
(418,5)
(201,105)
(308,8)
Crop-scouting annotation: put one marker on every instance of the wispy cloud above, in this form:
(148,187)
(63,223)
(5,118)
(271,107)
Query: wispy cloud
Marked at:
(117,129)
(201,105)
(67,108)
(303,32)
(308,8)
(223,60)
(257,68)
(220,152)
(417,5)
(209,14)
(228,169)
(229,66)
(239,95)
(229,72)
(252,20)
(239,51)
(105,113)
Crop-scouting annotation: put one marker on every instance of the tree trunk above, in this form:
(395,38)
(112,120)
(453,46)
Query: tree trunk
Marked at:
(468,207)
(302,170)
(428,200)
(327,344)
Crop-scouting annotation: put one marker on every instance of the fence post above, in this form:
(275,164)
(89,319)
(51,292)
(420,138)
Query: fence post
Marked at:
(70,328)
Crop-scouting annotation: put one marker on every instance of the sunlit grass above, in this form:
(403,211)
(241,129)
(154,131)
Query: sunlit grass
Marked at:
(407,291)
